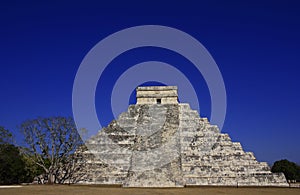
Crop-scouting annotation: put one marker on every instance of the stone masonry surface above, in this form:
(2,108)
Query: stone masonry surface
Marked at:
(170,145)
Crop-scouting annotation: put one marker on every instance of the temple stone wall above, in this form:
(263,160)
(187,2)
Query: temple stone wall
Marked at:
(157,95)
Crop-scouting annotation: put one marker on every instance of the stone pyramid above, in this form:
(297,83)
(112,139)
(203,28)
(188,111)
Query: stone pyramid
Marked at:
(162,143)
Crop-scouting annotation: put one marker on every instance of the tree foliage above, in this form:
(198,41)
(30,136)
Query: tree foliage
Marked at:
(32,170)
(12,166)
(290,169)
(52,144)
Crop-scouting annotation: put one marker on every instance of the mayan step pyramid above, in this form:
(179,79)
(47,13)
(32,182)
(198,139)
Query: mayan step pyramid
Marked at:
(162,143)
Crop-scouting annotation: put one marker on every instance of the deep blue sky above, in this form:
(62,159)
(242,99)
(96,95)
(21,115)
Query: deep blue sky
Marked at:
(255,44)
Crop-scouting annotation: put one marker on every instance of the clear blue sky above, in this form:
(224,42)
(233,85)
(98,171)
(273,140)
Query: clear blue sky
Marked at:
(255,44)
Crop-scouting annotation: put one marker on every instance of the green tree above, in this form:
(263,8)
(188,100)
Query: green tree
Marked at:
(12,166)
(290,169)
(31,169)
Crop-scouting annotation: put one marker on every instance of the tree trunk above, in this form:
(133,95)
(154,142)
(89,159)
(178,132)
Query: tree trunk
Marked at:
(51,179)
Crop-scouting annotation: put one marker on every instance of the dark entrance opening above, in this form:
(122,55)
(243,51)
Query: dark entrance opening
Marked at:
(158,101)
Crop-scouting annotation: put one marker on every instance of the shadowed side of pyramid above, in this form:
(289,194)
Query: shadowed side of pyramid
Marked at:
(162,143)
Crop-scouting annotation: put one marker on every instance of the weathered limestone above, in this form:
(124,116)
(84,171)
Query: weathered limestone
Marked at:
(168,145)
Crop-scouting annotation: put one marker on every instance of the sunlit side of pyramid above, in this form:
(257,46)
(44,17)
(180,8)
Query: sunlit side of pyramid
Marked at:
(162,143)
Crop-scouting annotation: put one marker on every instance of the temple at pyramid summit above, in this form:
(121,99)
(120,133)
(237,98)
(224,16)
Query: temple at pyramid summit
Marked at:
(159,142)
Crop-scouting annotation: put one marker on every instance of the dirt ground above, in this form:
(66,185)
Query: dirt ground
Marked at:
(96,190)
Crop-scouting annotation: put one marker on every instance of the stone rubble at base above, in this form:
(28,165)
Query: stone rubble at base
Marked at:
(167,144)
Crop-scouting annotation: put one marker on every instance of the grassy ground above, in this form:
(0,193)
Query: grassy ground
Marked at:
(95,190)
